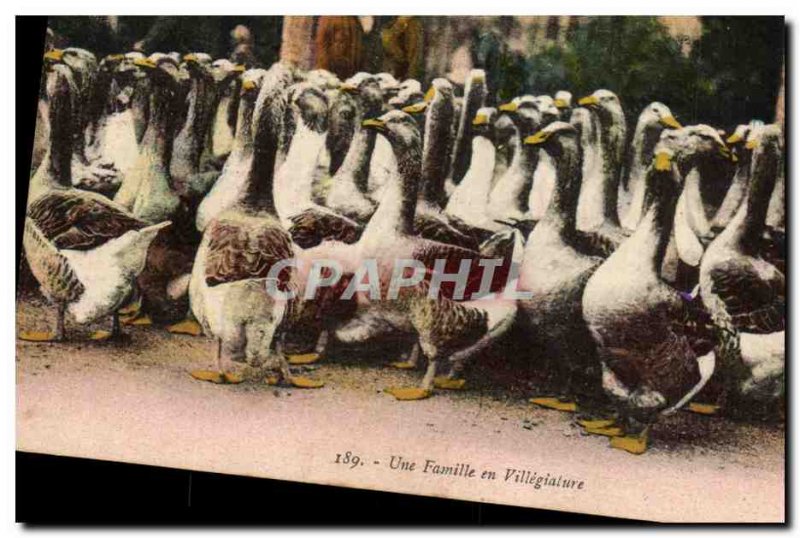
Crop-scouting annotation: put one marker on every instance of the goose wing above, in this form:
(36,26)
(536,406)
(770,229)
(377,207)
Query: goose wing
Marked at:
(753,292)
(49,266)
(314,225)
(436,228)
(428,252)
(237,252)
(80,221)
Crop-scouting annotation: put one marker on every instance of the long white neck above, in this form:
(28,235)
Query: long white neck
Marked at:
(469,199)
(590,202)
(294,178)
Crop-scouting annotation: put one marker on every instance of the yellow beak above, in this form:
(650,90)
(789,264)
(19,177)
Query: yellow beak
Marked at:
(248,85)
(560,103)
(116,57)
(54,55)
(734,138)
(144,62)
(430,94)
(537,138)
(190,58)
(416,108)
(239,68)
(752,143)
(375,124)
(725,152)
(349,88)
(508,107)
(589,100)
(671,122)
(480,119)
(663,161)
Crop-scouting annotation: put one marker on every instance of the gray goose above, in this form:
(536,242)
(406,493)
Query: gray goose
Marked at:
(70,232)
(741,177)
(307,222)
(474,98)
(234,264)
(652,121)
(597,205)
(745,293)
(657,346)
(350,182)
(556,266)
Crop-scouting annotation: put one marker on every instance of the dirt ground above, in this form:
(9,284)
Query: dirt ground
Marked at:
(134,401)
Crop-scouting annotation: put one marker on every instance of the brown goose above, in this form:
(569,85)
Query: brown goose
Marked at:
(229,285)
(69,233)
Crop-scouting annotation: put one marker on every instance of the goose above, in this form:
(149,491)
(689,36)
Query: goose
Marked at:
(544,175)
(69,232)
(597,205)
(692,230)
(555,269)
(474,98)
(156,143)
(390,234)
(343,120)
(563,102)
(745,293)
(114,132)
(228,288)
(150,194)
(453,331)
(430,221)
(506,142)
(350,182)
(227,77)
(652,121)
(190,140)
(469,200)
(308,223)
(657,346)
(231,185)
(89,97)
(508,199)
(738,188)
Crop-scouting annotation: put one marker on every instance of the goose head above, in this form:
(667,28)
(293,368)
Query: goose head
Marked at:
(388,84)
(694,145)
(161,69)
(365,90)
(524,114)
(563,102)
(224,71)
(483,124)
(82,62)
(251,84)
(547,107)
(309,105)
(555,138)
(656,117)
(399,128)
(439,94)
(603,102)
(738,140)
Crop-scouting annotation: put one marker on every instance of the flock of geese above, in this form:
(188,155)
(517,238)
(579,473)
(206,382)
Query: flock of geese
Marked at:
(173,189)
